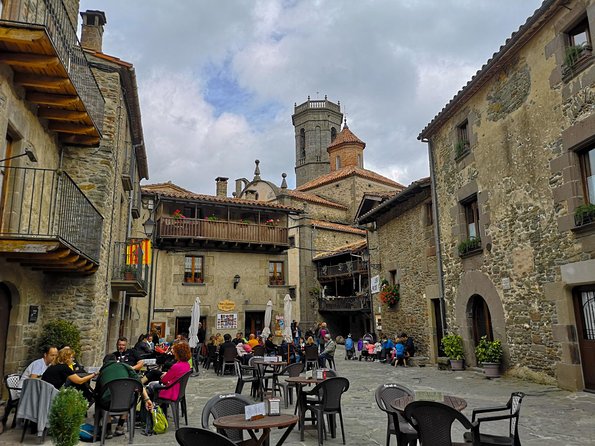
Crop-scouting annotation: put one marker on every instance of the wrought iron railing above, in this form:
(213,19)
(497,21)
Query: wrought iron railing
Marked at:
(53,16)
(222,230)
(342,269)
(47,204)
(332,303)
(130,262)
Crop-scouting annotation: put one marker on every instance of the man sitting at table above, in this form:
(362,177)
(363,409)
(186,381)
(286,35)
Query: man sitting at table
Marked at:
(329,350)
(126,355)
(37,367)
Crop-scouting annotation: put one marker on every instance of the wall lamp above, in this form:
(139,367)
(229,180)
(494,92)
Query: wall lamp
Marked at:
(28,153)
(149,227)
(236,281)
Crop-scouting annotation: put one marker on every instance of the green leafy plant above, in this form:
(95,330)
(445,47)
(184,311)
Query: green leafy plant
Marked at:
(212,218)
(573,54)
(60,333)
(469,245)
(389,294)
(128,269)
(452,344)
(66,416)
(584,214)
(488,351)
(460,148)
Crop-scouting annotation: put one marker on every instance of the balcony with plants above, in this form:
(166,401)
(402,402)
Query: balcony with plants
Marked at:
(469,247)
(47,223)
(584,216)
(39,43)
(130,270)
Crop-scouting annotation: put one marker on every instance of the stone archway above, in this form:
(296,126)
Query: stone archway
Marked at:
(475,283)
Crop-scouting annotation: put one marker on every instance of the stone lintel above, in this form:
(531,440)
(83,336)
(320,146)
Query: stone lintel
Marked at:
(575,135)
(578,273)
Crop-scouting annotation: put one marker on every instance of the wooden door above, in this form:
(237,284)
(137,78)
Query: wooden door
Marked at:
(4,176)
(584,310)
(5,306)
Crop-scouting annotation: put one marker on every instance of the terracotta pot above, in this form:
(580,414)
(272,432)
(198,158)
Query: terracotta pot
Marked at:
(128,275)
(457,365)
(491,369)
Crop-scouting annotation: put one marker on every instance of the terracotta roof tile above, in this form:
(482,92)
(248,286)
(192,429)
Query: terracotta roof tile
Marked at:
(337,227)
(350,247)
(313,198)
(346,136)
(347,172)
(172,190)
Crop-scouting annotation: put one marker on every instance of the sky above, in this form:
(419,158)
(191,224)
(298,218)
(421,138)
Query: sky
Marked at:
(218,79)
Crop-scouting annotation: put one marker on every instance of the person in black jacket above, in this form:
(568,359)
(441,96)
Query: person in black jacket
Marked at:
(270,346)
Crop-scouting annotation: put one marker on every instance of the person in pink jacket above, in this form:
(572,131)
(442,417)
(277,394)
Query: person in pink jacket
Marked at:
(182,353)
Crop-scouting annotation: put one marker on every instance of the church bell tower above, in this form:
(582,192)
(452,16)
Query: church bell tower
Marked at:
(316,123)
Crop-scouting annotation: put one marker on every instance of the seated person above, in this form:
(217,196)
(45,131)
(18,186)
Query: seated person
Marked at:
(182,354)
(270,346)
(126,355)
(409,346)
(39,366)
(252,341)
(387,347)
(239,338)
(60,373)
(243,352)
(227,345)
(329,350)
(143,347)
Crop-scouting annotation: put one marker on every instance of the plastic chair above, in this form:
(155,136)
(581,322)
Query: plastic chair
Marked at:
(246,374)
(433,422)
(210,357)
(123,397)
(292,370)
(228,360)
(259,350)
(396,425)
(311,356)
(181,400)
(330,391)
(34,405)
(191,436)
(222,405)
(11,382)
(513,406)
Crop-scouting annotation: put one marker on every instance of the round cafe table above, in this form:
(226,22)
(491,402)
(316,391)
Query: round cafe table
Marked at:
(453,401)
(264,424)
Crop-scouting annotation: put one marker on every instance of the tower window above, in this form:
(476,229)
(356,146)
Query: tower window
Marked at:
(333,133)
(302,143)
(359,161)
(337,162)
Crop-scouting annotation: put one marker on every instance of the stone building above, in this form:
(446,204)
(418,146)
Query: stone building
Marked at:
(229,252)
(402,252)
(62,204)
(512,161)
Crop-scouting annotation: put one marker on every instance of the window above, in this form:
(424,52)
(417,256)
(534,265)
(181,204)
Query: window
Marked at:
(578,47)
(333,133)
(429,214)
(472,218)
(393,277)
(588,174)
(337,162)
(579,35)
(359,161)
(462,145)
(194,269)
(292,241)
(302,143)
(276,274)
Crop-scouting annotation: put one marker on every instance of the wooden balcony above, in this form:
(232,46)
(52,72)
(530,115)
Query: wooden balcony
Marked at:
(340,303)
(344,269)
(221,234)
(130,269)
(41,46)
(47,223)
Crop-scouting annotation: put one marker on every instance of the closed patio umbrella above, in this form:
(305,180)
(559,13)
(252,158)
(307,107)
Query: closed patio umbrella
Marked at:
(268,314)
(287,318)
(193,332)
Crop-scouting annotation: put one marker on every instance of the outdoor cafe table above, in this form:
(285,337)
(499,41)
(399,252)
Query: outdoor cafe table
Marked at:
(300,382)
(265,424)
(453,401)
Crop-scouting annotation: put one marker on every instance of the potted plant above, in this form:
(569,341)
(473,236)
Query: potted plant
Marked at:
(468,246)
(389,294)
(452,344)
(461,148)
(584,214)
(178,215)
(66,416)
(128,272)
(489,355)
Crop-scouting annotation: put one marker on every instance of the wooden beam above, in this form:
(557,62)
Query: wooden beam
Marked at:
(27,246)
(20,35)
(28,60)
(58,114)
(58,100)
(40,81)
(79,140)
(56,255)
(67,127)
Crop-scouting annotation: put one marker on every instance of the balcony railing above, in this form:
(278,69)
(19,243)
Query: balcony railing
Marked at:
(339,303)
(46,204)
(195,228)
(342,269)
(53,16)
(131,267)
(318,103)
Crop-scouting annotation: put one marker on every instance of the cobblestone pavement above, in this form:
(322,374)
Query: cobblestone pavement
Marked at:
(549,416)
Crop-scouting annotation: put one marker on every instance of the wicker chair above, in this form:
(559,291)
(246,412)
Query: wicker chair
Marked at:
(11,382)
(513,406)
(329,404)
(180,401)
(396,425)
(191,436)
(222,405)
(433,422)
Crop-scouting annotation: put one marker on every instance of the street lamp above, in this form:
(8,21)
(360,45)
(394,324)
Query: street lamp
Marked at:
(28,153)
(236,281)
(149,227)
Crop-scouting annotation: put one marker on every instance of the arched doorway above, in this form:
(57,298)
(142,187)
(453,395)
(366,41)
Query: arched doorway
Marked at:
(5,307)
(481,319)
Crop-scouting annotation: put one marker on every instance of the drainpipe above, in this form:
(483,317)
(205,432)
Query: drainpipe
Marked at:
(435,216)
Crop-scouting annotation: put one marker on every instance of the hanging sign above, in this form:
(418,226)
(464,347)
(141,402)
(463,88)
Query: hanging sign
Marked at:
(375,284)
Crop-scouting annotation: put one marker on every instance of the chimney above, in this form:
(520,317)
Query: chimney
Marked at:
(92,31)
(221,186)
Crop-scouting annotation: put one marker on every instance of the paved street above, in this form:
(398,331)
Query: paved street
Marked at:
(548,416)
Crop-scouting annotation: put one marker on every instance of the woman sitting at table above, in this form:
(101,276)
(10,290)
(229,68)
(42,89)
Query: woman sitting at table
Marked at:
(270,346)
(60,373)
(182,354)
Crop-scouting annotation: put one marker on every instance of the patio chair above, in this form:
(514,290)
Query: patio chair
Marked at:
(210,357)
(34,405)
(11,382)
(245,374)
(122,400)
(222,405)
(330,391)
(433,422)
(396,425)
(513,406)
(259,350)
(311,356)
(191,436)
(180,401)
(264,378)
(292,370)
(228,360)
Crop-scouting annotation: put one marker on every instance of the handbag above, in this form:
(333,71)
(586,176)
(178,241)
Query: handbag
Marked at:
(160,424)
